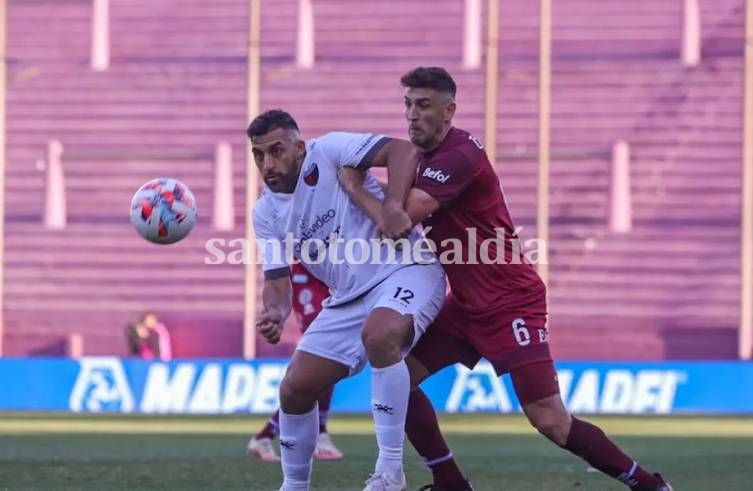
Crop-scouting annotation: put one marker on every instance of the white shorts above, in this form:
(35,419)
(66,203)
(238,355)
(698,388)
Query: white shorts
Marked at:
(417,290)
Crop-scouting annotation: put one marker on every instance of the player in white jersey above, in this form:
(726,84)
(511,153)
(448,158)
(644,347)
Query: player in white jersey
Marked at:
(378,307)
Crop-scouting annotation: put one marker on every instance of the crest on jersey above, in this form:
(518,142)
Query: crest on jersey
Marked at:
(311,175)
(101,386)
(306,299)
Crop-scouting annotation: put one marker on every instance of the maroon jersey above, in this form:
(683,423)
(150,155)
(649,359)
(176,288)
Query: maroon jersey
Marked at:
(459,176)
(308,295)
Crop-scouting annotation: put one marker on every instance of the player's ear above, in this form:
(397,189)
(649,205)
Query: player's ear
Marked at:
(300,147)
(449,111)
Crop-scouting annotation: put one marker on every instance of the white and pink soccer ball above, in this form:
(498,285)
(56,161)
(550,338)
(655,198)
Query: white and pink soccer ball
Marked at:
(163,211)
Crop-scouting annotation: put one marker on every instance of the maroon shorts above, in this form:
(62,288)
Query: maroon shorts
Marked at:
(515,343)
(307,321)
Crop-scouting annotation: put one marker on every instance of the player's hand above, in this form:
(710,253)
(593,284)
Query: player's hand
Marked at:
(269,324)
(396,224)
(350,178)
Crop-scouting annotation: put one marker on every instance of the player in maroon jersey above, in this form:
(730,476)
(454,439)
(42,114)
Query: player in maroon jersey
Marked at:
(308,295)
(496,310)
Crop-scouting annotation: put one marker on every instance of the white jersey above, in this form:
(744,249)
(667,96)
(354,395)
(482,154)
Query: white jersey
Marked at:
(324,228)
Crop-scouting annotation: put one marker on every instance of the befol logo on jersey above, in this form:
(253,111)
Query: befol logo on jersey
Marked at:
(101,386)
(311,175)
(478,390)
(435,174)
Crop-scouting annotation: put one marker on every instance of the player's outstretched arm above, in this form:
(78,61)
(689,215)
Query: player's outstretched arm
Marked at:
(351,181)
(277,299)
(418,206)
(401,159)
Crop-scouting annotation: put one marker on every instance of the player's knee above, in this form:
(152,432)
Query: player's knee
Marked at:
(383,346)
(380,347)
(553,426)
(295,398)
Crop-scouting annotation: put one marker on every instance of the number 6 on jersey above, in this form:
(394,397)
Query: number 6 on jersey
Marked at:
(522,336)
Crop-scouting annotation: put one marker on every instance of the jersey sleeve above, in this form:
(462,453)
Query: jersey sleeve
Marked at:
(271,246)
(446,177)
(352,149)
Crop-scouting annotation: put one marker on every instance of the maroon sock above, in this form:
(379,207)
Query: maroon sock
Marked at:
(423,431)
(272,427)
(592,445)
(324,403)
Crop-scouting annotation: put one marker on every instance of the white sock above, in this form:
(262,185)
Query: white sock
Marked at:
(390,389)
(297,442)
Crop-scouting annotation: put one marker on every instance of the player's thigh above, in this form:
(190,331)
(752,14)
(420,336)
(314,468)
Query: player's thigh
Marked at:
(308,376)
(442,345)
(519,344)
(335,335)
(535,385)
(411,298)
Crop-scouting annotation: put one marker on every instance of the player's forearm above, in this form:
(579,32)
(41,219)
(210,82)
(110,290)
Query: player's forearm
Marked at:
(278,295)
(416,214)
(419,205)
(369,204)
(402,162)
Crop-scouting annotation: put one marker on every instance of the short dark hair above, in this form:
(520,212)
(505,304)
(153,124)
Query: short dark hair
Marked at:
(270,121)
(430,77)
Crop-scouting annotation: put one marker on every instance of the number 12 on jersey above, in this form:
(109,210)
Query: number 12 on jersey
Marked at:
(403,294)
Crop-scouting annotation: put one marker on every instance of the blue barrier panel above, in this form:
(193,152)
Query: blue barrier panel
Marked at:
(105,384)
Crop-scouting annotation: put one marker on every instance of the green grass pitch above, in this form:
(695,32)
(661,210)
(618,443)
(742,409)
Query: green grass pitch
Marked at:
(499,453)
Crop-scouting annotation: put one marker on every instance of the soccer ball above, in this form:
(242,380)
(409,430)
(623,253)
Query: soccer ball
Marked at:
(163,211)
